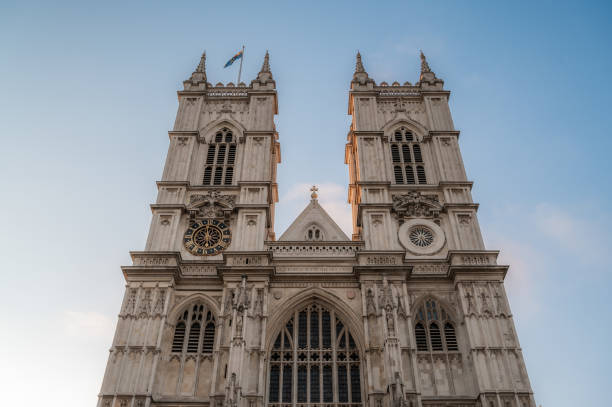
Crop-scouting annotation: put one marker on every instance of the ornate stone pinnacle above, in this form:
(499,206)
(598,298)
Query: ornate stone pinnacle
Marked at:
(266,64)
(358,64)
(424,64)
(314,190)
(202,65)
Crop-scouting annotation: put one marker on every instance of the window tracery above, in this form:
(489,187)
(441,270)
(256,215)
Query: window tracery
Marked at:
(434,330)
(194,331)
(220,159)
(314,354)
(407,158)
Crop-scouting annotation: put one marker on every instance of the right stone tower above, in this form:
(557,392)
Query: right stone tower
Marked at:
(412,207)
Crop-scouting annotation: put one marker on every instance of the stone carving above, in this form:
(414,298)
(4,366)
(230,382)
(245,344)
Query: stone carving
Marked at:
(258,305)
(123,403)
(475,260)
(197,270)
(430,269)
(182,141)
(153,261)
(229,301)
(469,297)
(158,309)
(331,250)
(381,260)
(390,322)
(370,306)
(500,305)
(401,311)
(424,65)
(213,204)
(130,304)
(485,306)
(144,308)
(386,299)
(241,297)
(464,219)
(239,322)
(415,204)
(231,396)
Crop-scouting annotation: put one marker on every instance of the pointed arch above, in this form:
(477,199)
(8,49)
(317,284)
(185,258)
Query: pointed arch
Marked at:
(207,133)
(435,325)
(412,125)
(315,352)
(286,309)
(181,306)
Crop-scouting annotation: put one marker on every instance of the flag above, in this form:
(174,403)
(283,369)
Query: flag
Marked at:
(233,59)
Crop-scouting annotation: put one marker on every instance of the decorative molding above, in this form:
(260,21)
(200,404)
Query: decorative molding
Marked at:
(197,270)
(416,205)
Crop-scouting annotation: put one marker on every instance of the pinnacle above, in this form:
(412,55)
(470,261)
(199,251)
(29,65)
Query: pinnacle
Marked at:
(202,65)
(266,64)
(358,64)
(424,64)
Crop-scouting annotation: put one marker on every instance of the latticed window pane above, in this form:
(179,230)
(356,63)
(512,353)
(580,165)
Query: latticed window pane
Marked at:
(342,384)
(287,383)
(421,337)
(326,330)
(210,158)
(301,387)
(218,175)
(302,329)
(231,155)
(409,175)
(355,384)
(207,176)
(209,338)
(179,337)
(328,395)
(406,153)
(397,171)
(221,154)
(395,153)
(449,335)
(435,336)
(314,329)
(421,175)
(416,149)
(315,391)
(274,383)
(229,175)
(194,336)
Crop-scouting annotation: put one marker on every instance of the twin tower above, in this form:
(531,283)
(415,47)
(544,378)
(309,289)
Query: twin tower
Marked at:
(409,311)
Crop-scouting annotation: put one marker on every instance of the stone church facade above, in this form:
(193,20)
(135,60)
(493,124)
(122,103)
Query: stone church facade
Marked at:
(409,311)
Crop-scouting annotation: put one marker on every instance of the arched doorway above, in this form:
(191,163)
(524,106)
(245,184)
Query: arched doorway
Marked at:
(314,360)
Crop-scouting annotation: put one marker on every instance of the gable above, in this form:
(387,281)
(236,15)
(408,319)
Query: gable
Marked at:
(314,224)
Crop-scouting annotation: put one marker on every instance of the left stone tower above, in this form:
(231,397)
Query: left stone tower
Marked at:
(175,341)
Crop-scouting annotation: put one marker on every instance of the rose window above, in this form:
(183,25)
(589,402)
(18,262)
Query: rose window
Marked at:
(421,236)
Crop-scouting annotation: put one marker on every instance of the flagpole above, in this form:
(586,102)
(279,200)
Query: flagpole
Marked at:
(240,70)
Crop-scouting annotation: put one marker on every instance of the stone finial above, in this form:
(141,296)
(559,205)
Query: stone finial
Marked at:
(424,65)
(266,64)
(358,64)
(360,77)
(264,77)
(314,194)
(202,65)
(197,80)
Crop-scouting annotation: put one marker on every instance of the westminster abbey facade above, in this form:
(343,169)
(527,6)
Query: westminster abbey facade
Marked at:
(409,311)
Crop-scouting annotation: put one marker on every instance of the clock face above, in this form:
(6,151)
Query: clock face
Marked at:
(207,237)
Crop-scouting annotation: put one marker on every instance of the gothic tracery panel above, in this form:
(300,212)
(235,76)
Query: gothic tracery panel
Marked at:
(314,360)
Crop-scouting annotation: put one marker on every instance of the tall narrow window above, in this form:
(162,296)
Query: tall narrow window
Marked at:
(189,326)
(312,356)
(220,159)
(405,153)
(434,330)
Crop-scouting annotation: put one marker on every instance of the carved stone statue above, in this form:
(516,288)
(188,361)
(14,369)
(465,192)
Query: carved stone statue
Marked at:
(370,306)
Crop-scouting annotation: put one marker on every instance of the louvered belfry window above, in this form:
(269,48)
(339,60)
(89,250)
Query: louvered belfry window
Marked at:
(194,331)
(220,159)
(434,330)
(314,354)
(407,158)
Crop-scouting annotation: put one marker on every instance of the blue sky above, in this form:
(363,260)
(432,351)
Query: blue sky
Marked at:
(87,94)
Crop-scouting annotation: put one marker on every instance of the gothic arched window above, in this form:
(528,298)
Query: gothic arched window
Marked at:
(312,355)
(313,233)
(407,158)
(434,330)
(197,325)
(220,159)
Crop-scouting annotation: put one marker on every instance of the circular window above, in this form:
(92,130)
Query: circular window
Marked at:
(421,237)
